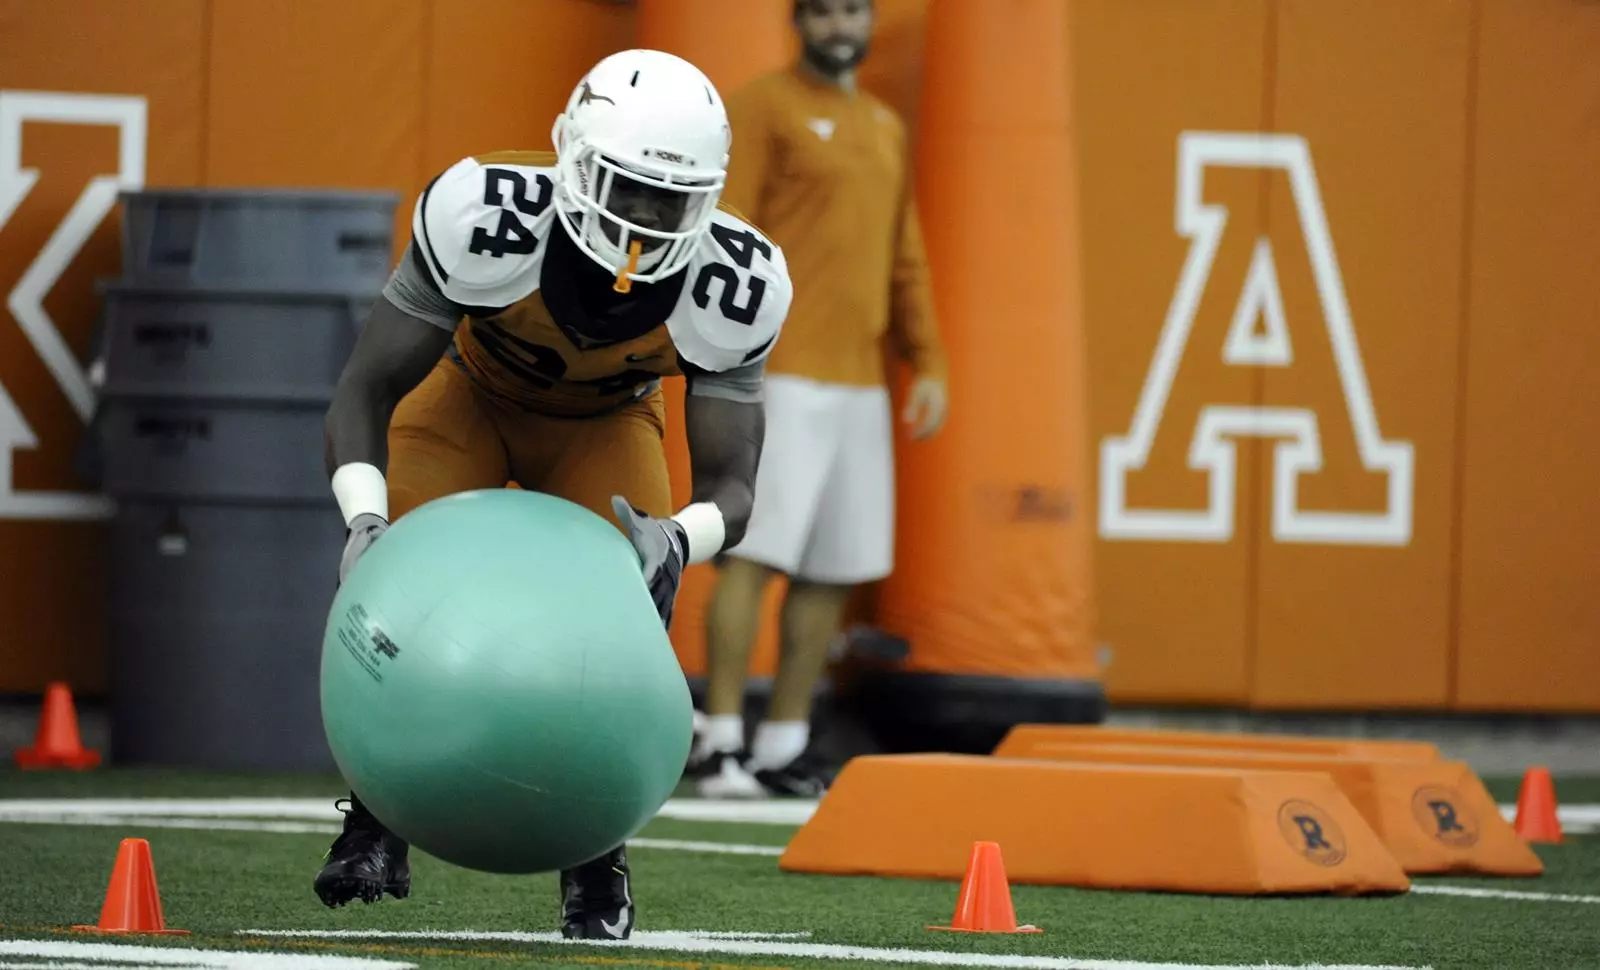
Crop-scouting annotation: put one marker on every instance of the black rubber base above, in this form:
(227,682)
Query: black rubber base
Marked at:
(871,705)
(959,713)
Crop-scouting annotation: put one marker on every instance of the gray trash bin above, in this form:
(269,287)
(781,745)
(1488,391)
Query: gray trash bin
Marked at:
(215,451)
(227,342)
(265,238)
(220,349)
(217,615)
(223,559)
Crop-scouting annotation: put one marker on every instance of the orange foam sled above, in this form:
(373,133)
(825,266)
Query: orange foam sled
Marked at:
(1198,830)
(1435,816)
(1017,741)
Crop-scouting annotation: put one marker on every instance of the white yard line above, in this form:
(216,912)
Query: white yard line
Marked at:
(692,942)
(757,811)
(1476,893)
(308,809)
(295,828)
(162,822)
(65,954)
(668,845)
(725,848)
(514,936)
(1576,818)
(316,816)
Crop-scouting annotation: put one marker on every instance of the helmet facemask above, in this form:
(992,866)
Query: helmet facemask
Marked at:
(641,219)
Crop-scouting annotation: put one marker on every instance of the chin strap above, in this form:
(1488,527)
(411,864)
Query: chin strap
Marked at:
(624,283)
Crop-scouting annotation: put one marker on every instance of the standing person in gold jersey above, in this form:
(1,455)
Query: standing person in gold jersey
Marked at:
(824,169)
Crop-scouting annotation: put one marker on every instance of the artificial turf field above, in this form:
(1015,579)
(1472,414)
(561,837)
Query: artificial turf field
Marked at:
(709,895)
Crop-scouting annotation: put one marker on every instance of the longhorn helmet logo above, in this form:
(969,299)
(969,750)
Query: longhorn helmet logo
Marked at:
(586,94)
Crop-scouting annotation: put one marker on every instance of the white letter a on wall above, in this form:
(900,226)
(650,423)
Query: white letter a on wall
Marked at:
(1257,337)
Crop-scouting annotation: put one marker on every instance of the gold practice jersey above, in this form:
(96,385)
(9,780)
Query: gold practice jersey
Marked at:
(543,328)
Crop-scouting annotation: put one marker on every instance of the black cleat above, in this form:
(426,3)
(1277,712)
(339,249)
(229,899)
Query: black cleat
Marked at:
(364,862)
(597,900)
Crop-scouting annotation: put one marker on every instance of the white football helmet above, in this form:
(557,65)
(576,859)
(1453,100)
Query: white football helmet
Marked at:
(654,118)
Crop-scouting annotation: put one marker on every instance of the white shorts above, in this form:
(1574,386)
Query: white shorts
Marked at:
(824,504)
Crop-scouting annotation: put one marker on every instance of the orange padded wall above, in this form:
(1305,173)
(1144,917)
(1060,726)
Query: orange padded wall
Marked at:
(1453,146)
(52,572)
(1530,505)
(1366,624)
(1175,614)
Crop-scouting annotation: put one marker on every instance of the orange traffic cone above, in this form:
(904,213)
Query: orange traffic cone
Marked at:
(57,744)
(133,903)
(1536,808)
(984,905)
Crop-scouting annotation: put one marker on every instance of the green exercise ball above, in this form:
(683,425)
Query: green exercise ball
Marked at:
(497,686)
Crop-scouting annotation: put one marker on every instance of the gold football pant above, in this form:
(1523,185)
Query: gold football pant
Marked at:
(448,436)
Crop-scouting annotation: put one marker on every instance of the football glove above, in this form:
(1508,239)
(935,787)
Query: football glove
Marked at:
(663,550)
(364,531)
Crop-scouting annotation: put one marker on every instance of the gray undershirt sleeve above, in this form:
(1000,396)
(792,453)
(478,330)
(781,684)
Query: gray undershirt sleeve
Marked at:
(745,384)
(416,295)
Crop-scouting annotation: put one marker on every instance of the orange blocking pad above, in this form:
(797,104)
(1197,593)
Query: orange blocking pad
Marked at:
(1435,816)
(1019,741)
(1199,830)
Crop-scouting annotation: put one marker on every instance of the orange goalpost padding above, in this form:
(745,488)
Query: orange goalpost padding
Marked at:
(994,580)
(992,586)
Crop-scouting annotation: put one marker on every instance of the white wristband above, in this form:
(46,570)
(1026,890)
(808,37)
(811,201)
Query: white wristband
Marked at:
(360,488)
(702,522)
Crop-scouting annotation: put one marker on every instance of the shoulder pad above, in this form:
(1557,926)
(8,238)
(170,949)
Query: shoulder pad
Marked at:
(481,228)
(735,297)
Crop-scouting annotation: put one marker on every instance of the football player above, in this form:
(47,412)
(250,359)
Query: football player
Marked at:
(523,338)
